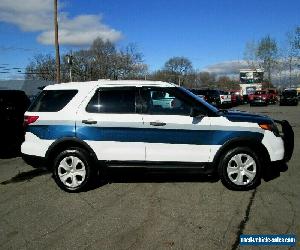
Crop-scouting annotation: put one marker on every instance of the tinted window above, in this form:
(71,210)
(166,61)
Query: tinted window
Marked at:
(195,101)
(112,101)
(52,100)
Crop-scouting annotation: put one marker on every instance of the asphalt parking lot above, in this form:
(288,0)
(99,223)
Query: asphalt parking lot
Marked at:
(147,210)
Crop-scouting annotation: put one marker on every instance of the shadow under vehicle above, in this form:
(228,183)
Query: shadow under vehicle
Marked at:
(13,104)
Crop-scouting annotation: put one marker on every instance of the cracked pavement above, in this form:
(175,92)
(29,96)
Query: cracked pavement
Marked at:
(147,210)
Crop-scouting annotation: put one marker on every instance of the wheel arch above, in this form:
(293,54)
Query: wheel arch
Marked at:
(253,144)
(64,143)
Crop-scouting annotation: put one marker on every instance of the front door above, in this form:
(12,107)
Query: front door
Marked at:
(171,134)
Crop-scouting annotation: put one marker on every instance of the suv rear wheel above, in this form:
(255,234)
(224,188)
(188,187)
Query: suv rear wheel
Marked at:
(72,170)
(240,169)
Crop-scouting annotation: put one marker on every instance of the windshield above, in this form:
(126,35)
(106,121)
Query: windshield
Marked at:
(199,99)
(289,93)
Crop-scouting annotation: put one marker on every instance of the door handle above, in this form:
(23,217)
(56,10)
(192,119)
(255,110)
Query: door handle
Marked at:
(158,124)
(89,121)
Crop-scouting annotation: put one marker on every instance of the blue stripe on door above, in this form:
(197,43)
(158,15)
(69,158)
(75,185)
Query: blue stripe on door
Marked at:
(149,135)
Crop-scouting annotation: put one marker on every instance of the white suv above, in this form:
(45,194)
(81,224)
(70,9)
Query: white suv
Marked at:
(77,128)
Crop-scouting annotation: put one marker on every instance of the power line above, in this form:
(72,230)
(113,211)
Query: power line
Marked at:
(9,48)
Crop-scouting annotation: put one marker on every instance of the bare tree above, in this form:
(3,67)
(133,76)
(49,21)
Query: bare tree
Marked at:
(42,67)
(267,54)
(101,61)
(250,54)
(178,68)
(206,78)
(292,52)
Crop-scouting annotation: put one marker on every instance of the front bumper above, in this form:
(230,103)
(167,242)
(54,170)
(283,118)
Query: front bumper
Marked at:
(259,102)
(287,134)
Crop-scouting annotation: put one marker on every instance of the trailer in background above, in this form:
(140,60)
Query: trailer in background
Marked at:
(250,81)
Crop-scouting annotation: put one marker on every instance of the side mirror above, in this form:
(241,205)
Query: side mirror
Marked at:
(195,112)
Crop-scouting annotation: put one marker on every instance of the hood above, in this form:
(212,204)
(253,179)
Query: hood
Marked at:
(240,116)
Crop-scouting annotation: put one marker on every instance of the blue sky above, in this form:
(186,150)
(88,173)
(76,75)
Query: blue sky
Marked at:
(207,32)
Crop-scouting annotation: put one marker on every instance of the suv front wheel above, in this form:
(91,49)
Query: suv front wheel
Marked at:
(240,169)
(72,170)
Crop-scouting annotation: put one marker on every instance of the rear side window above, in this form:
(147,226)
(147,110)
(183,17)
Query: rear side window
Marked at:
(52,100)
(120,101)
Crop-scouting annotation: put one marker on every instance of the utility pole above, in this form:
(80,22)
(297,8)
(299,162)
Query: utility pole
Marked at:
(57,59)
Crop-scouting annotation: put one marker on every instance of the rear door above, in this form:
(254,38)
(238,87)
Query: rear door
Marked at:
(171,134)
(110,124)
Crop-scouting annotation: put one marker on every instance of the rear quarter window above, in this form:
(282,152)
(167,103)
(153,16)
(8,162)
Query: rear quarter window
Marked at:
(52,100)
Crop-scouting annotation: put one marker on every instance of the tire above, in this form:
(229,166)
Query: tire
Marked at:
(235,174)
(72,170)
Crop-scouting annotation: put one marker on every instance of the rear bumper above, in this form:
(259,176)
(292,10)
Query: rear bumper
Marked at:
(288,139)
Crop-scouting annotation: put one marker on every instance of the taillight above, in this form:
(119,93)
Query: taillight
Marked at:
(222,97)
(28,119)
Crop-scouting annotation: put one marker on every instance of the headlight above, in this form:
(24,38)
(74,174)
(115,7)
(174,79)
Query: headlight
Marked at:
(271,127)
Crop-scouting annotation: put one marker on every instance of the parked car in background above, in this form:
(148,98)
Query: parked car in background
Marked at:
(260,97)
(217,97)
(225,98)
(289,97)
(199,92)
(236,97)
(272,96)
(13,104)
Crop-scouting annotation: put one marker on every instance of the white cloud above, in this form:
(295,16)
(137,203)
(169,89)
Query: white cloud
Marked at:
(227,67)
(30,15)
(37,16)
(232,68)
(81,30)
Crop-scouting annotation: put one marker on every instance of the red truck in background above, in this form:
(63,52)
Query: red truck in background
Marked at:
(236,97)
(272,95)
(260,97)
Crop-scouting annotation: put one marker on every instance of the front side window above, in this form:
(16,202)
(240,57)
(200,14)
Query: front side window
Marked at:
(52,100)
(120,101)
(163,102)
